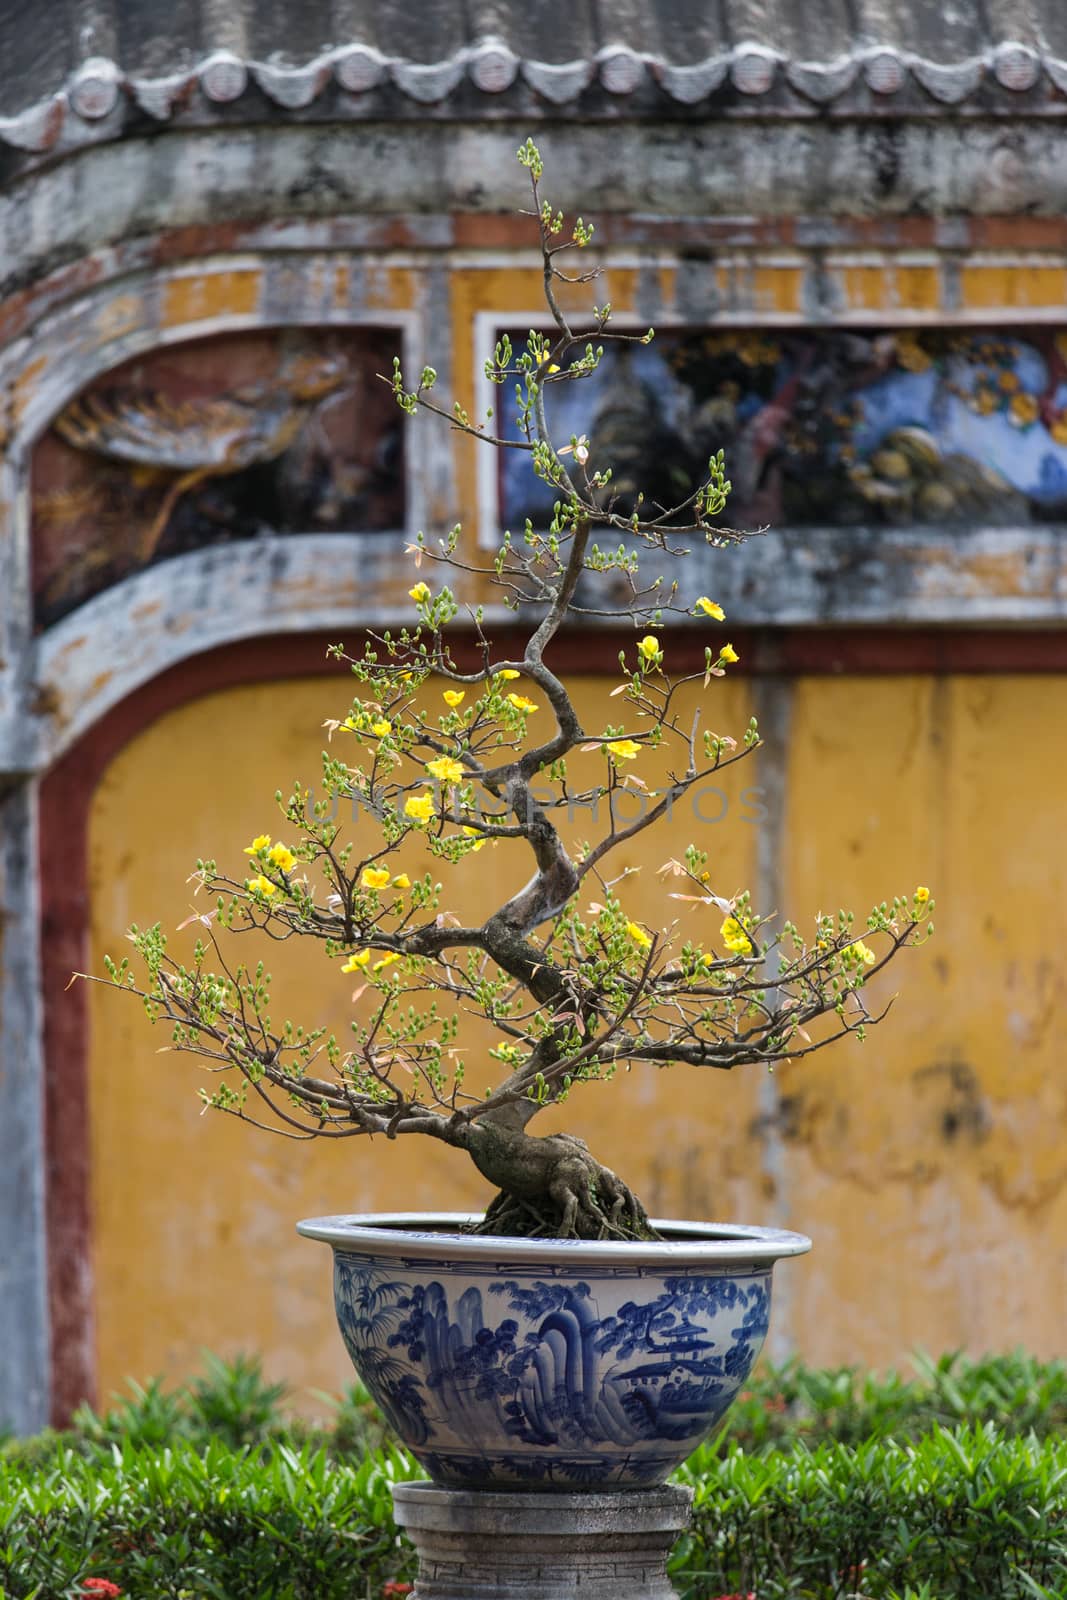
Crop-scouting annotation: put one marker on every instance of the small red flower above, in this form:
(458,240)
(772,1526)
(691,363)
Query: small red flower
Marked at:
(393,1588)
(101,1586)
(749,1596)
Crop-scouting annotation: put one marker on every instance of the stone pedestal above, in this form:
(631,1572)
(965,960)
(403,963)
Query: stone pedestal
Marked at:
(475,1545)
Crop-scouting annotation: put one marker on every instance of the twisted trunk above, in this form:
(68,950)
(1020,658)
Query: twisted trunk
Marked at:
(552,1188)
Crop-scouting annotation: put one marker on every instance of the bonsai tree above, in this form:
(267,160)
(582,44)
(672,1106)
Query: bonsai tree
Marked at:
(464,755)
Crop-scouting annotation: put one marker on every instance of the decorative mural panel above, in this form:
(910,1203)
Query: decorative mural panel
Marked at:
(275,432)
(828,427)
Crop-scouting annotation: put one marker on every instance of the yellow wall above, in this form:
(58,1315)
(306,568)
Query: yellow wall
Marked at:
(929,1163)
(933,1170)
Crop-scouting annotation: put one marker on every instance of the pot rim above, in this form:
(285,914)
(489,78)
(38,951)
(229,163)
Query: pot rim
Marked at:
(429,1235)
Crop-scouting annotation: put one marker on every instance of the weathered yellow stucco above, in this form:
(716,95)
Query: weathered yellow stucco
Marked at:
(932,1170)
(928,1163)
(200,296)
(193,1214)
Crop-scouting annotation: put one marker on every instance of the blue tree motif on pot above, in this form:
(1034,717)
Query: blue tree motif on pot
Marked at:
(580,1381)
(368,1310)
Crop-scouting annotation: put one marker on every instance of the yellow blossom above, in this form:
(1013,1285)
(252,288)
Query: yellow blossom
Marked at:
(420,594)
(735,938)
(454,697)
(381,727)
(259,843)
(386,961)
(419,807)
(542,357)
(648,647)
(472,833)
(728,653)
(860,953)
(374,877)
(357,962)
(447,768)
(262,885)
(401,881)
(508,674)
(553,366)
(281,856)
(623,749)
(353,723)
(638,935)
(922,894)
(520,702)
(710,608)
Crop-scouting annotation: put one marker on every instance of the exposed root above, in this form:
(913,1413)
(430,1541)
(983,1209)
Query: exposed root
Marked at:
(553,1188)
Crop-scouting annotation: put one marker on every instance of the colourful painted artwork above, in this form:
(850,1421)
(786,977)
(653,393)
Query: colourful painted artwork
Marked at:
(278,432)
(826,426)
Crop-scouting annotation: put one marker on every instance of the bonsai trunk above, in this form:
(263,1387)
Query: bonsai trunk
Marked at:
(552,1188)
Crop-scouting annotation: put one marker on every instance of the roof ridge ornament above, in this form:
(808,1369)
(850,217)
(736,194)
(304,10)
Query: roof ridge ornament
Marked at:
(91,102)
(359,67)
(223,76)
(690,84)
(754,66)
(95,88)
(823,81)
(1016,66)
(949,82)
(293,87)
(884,69)
(558,81)
(493,65)
(621,69)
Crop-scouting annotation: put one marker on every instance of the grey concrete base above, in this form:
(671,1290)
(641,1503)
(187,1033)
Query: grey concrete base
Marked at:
(476,1545)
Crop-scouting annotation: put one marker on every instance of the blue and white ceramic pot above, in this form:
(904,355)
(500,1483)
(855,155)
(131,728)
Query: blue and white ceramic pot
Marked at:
(550,1363)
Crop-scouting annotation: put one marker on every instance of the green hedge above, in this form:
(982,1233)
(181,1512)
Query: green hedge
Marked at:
(967,1512)
(783,1407)
(827,1485)
(791,1403)
(202,1521)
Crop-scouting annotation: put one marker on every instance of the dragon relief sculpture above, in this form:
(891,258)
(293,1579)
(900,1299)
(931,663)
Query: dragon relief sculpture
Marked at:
(190,441)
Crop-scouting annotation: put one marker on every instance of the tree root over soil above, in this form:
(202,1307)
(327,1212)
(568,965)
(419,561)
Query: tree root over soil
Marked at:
(553,1188)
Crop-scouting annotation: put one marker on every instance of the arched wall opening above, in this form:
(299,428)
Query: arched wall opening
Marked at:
(938,1137)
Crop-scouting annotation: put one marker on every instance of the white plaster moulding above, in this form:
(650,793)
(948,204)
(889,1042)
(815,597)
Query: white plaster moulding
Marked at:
(94,92)
(333,583)
(823,81)
(77,365)
(304,583)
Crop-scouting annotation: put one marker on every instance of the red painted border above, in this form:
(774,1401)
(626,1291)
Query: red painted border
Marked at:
(66,799)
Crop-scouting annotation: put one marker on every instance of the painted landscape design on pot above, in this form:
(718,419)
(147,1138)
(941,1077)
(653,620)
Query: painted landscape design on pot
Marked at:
(531,1378)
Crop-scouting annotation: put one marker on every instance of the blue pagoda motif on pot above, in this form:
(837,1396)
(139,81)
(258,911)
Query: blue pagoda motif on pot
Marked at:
(547,1378)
